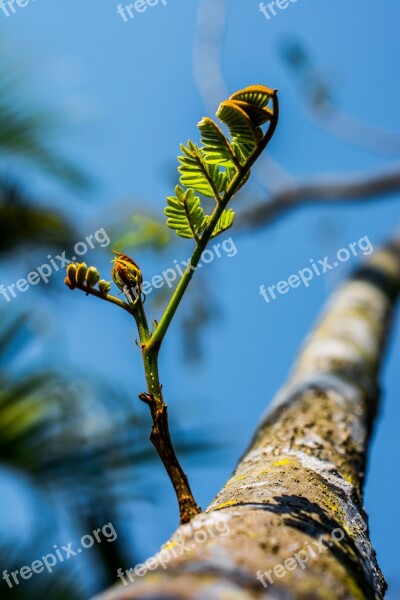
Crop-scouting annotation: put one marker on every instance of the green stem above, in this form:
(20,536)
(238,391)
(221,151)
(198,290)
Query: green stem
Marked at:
(141,322)
(156,339)
(160,435)
(90,291)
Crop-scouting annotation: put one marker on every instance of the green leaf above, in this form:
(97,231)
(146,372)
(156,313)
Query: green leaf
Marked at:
(211,169)
(225,222)
(258,116)
(245,135)
(216,149)
(204,178)
(185,214)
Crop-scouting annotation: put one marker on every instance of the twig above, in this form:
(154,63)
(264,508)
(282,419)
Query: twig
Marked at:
(324,190)
(161,440)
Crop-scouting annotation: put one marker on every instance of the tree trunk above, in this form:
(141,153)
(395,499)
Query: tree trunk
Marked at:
(290,523)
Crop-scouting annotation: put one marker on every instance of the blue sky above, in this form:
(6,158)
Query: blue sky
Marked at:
(127,96)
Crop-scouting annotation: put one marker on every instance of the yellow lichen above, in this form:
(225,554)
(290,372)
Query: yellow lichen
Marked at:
(224,504)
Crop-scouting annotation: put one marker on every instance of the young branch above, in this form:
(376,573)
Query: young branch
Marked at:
(162,328)
(161,440)
(128,278)
(108,297)
(244,114)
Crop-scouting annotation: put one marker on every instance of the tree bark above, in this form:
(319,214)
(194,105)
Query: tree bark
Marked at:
(293,507)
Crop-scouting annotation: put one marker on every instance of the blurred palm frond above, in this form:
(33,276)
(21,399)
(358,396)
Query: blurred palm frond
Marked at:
(23,132)
(25,224)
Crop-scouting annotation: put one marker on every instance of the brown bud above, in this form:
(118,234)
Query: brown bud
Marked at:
(126,274)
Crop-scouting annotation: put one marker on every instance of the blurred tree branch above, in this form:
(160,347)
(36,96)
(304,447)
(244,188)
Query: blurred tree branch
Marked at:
(323,110)
(325,189)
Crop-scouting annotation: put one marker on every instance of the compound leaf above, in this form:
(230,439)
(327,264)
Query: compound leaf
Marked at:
(185,214)
(225,222)
(204,178)
(245,135)
(217,149)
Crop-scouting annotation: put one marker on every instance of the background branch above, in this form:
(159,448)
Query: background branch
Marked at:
(319,95)
(325,189)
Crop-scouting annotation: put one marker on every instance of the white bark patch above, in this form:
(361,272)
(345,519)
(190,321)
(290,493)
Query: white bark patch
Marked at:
(208,521)
(277,489)
(327,470)
(253,457)
(331,349)
(356,329)
(358,294)
(222,589)
(301,383)
(312,441)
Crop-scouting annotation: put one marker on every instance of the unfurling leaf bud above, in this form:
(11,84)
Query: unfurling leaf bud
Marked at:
(104,286)
(81,270)
(92,276)
(69,283)
(127,275)
(71,274)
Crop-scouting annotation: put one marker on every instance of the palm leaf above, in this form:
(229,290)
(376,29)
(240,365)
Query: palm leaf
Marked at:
(22,134)
(22,223)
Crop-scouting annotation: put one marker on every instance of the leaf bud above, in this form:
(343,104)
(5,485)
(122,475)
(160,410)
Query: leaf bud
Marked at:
(71,273)
(104,286)
(81,270)
(92,276)
(127,275)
